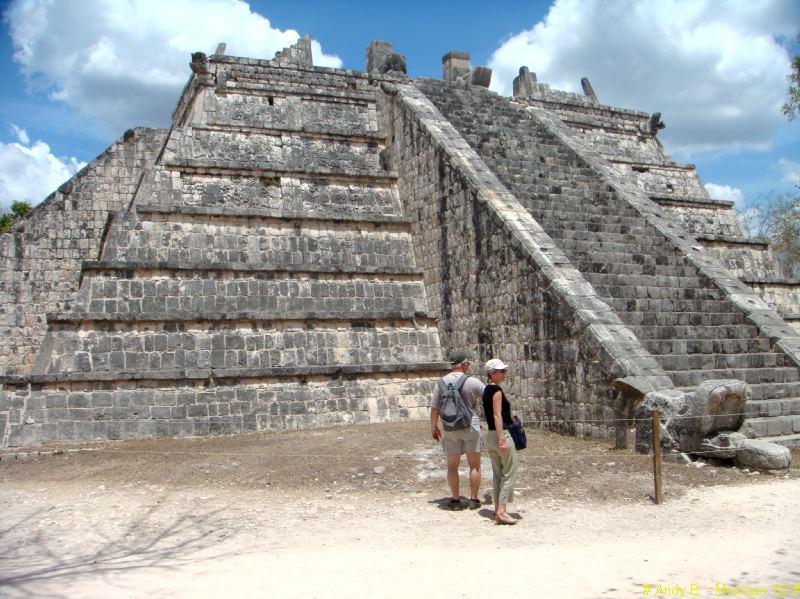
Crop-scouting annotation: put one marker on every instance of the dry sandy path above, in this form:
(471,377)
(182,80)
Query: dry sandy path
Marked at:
(103,536)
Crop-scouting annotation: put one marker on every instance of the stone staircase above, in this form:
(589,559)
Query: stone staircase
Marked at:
(679,315)
(263,277)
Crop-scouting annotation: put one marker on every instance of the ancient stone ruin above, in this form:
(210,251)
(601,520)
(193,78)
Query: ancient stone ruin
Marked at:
(304,245)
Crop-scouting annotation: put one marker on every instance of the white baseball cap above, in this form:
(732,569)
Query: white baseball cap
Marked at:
(495,364)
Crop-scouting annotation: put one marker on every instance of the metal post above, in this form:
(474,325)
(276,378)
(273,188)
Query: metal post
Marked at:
(657,456)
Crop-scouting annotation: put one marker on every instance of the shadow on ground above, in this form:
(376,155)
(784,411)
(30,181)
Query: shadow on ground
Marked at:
(29,560)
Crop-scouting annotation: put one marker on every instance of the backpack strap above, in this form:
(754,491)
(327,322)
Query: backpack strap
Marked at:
(460,382)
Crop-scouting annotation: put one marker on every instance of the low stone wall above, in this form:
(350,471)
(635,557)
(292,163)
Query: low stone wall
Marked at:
(279,194)
(706,220)
(87,411)
(255,242)
(40,257)
(501,288)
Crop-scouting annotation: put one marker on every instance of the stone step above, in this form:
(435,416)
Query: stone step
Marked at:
(621,281)
(773,407)
(774,391)
(773,426)
(157,346)
(669,305)
(700,333)
(595,242)
(706,346)
(753,376)
(634,292)
(698,361)
(785,440)
(669,319)
(188,240)
(584,216)
(588,265)
(124,295)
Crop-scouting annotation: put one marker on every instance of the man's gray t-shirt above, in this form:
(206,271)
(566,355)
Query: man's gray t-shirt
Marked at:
(471,392)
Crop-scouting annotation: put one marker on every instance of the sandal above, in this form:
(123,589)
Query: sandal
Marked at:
(474,504)
(504,519)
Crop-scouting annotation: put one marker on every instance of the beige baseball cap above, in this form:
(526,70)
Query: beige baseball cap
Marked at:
(495,364)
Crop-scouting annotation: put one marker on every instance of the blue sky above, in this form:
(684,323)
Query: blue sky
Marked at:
(77,73)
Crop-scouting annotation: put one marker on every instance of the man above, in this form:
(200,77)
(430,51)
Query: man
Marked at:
(455,443)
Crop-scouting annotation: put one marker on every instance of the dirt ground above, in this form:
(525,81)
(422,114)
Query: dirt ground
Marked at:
(359,510)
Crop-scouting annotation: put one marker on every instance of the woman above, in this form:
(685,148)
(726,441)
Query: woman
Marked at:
(499,442)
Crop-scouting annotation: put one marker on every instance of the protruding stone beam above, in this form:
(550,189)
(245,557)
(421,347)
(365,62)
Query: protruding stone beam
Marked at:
(298,54)
(199,63)
(523,83)
(455,66)
(481,76)
(381,58)
(654,124)
(220,49)
(588,91)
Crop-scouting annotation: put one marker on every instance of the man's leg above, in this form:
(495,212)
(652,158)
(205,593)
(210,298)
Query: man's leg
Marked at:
(453,460)
(474,462)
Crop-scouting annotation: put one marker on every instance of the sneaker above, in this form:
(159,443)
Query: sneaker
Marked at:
(474,504)
(454,504)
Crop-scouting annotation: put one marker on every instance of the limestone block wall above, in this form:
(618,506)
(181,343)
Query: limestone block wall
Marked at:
(499,286)
(132,293)
(277,111)
(742,259)
(271,195)
(706,219)
(74,411)
(781,294)
(40,257)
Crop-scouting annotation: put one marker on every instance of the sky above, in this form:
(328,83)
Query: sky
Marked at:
(78,73)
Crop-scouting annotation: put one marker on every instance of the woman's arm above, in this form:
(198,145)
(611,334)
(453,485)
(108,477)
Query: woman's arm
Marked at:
(497,413)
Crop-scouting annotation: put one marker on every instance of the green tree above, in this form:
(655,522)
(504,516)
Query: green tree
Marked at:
(18,210)
(791,107)
(777,217)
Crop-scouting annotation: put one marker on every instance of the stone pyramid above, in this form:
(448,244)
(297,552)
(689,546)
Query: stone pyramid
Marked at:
(303,243)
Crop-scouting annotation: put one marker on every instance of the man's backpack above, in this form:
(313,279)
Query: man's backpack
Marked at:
(453,410)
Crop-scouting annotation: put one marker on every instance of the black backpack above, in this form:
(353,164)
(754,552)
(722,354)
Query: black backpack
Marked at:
(453,410)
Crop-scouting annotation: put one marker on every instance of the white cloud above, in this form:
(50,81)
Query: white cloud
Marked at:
(30,173)
(123,64)
(21,135)
(725,192)
(713,68)
(790,171)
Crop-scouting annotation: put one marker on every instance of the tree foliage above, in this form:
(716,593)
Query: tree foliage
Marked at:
(778,219)
(791,107)
(18,210)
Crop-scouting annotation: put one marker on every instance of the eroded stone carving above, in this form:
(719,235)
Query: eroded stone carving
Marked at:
(381,58)
(523,83)
(455,66)
(587,89)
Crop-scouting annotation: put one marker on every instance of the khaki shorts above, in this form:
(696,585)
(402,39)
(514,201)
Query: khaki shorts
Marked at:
(467,440)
